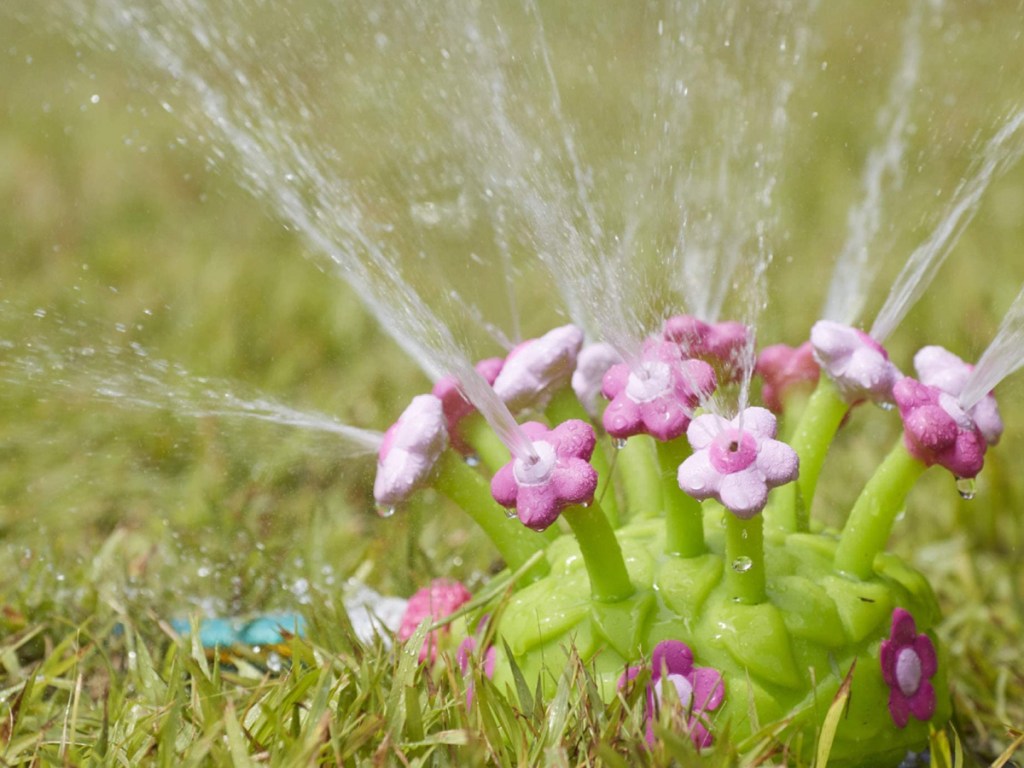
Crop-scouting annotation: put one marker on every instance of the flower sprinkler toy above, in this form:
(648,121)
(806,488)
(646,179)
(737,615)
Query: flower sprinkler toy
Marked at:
(690,565)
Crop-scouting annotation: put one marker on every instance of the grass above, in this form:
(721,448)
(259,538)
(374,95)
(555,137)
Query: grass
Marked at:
(115,518)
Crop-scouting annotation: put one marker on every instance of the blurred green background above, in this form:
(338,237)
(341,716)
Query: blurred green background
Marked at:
(121,226)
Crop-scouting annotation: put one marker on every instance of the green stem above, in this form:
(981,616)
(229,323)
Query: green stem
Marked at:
(744,558)
(786,511)
(793,407)
(564,406)
(867,530)
(684,516)
(814,434)
(640,474)
(602,556)
(515,542)
(484,441)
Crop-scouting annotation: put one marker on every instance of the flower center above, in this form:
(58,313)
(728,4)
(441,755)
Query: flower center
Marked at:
(908,671)
(732,451)
(537,472)
(684,689)
(651,381)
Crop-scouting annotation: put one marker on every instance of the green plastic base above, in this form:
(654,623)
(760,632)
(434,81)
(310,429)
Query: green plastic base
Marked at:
(783,659)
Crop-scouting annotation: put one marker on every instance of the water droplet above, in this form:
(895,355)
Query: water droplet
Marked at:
(967,487)
(742,564)
(619,443)
(886,406)
(587,504)
(472,460)
(274,662)
(510,513)
(385,510)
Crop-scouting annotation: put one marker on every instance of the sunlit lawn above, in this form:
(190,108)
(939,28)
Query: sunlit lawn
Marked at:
(121,246)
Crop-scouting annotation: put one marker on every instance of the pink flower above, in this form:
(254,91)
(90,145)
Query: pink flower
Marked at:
(785,369)
(721,344)
(431,604)
(560,477)
(659,396)
(455,405)
(592,364)
(538,368)
(908,663)
(464,656)
(940,368)
(936,430)
(737,461)
(699,690)
(857,364)
(411,448)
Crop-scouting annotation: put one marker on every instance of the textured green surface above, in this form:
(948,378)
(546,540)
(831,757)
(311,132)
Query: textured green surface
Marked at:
(786,656)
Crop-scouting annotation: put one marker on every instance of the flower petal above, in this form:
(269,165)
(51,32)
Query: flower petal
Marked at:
(671,657)
(760,422)
(504,487)
(922,703)
(704,429)
(622,417)
(899,708)
(708,689)
(743,493)
(574,483)
(925,650)
(777,462)
(697,477)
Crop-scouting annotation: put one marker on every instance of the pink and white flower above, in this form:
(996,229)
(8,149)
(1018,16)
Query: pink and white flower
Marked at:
(737,461)
(560,477)
(938,367)
(784,369)
(538,368)
(659,396)
(455,405)
(936,430)
(721,344)
(410,450)
(857,364)
(592,364)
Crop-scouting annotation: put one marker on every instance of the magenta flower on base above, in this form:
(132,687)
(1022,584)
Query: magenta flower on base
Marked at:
(784,369)
(442,598)
(411,448)
(537,368)
(454,404)
(857,364)
(908,664)
(940,368)
(936,430)
(560,477)
(699,689)
(737,461)
(659,397)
